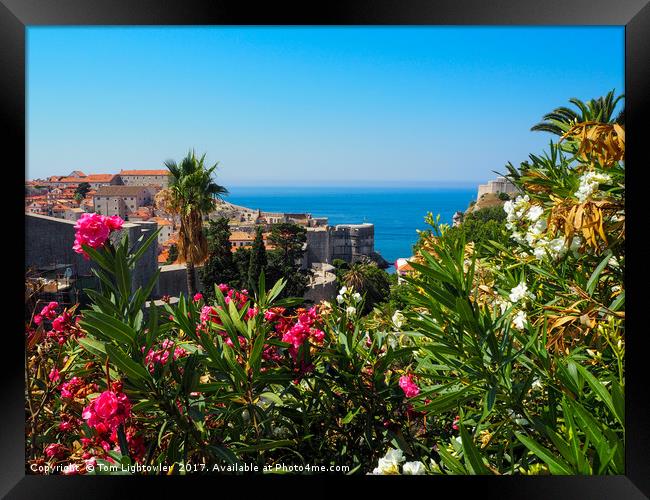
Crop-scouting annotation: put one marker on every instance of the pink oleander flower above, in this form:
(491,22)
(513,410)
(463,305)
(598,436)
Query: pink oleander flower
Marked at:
(60,323)
(252,312)
(49,312)
(224,288)
(114,223)
(65,426)
(93,230)
(409,387)
(198,297)
(107,411)
(70,388)
(54,375)
(161,356)
(55,450)
(455,423)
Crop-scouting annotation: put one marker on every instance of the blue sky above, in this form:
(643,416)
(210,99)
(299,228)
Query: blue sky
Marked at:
(307,106)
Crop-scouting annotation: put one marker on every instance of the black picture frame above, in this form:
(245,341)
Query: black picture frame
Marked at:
(16,15)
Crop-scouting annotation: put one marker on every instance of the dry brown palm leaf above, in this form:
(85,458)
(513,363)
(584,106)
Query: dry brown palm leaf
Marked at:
(603,143)
(591,220)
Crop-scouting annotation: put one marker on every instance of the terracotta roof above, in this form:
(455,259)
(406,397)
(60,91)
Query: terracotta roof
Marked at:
(119,190)
(240,235)
(402,265)
(99,178)
(72,180)
(162,221)
(144,172)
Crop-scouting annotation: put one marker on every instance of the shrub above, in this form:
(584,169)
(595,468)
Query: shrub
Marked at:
(492,358)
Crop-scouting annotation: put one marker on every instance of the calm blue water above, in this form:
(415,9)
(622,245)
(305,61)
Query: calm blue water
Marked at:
(395,212)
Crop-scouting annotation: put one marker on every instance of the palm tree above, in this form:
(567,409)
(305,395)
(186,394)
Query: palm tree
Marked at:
(562,119)
(193,193)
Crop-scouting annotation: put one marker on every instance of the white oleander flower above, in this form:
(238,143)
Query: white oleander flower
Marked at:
(343,290)
(516,209)
(351,310)
(535,232)
(520,320)
(589,182)
(503,304)
(540,249)
(557,247)
(413,468)
(340,299)
(389,463)
(534,213)
(398,319)
(519,292)
(356,296)
(518,237)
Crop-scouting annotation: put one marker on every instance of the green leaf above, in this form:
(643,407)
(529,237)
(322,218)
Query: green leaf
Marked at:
(103,258)
(451,462)
(472,454)
(273,398)
(601,391)
(109,326)
(350,416)
(555,464)
(448,401)
(593,280)
(96,347)
(256,353)
(135,256)
(126,364)
(618,400)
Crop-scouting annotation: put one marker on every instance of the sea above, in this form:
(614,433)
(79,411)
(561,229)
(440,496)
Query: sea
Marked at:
(397,213)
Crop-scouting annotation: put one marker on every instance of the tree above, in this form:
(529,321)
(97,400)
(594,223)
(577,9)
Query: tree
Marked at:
(81,191)
(173,253)
(370,281)
(220,267)
(480,227)
(258,261)
(284,261)
(193,193)
(601,110)
(241,260)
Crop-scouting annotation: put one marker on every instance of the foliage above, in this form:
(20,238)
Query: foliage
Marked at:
(258,262)
(370,281)
(284,260)
(173,253)
(482,226)
(559,120)
(219,267)
(81,191)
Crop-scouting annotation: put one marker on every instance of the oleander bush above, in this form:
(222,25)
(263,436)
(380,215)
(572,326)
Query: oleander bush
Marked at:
(497,355)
